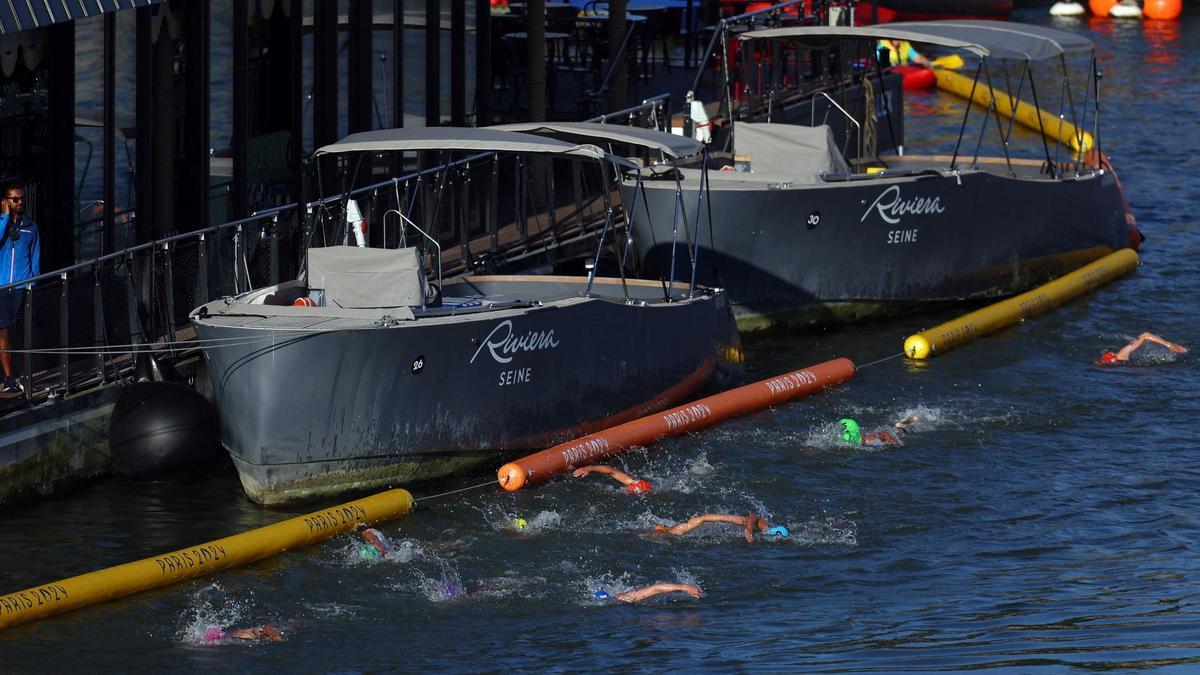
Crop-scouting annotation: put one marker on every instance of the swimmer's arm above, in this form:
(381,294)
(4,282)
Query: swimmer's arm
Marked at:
(1178,349)
(697,521)
(659,589)
(620,476)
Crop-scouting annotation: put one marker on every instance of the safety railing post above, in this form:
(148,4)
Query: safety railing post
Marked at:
(99,339)
(274,234)
(169,287)
(135,332)
(64,336)
(493,204)
(202,271)
(28,374)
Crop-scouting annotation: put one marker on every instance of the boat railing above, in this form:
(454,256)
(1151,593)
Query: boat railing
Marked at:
(813,121)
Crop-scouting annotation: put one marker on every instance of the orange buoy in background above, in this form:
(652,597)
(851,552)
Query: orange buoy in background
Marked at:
(1101,7)
(540,466)
(1162,10)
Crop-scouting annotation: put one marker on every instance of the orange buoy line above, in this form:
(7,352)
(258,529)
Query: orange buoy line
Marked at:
(541,466)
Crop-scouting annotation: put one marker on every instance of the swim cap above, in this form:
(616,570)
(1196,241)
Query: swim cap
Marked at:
(638,487)
(661,529)
(213,633)
(850,432)
(368,551)
(520,523)
(1108,357)
(602,594)
(778,531)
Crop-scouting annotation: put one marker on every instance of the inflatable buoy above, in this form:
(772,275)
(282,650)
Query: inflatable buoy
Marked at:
(1101,7)
(304,302)
(160,428)
(1125,10)
(1067,8)
(1163,10)
(916,78)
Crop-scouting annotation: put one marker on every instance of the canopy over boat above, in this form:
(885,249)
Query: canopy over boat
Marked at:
(997,39)
(672,146)
(417,139)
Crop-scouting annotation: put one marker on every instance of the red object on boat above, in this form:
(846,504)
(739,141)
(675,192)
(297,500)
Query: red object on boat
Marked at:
(916,78)
(1101,7)
(932,10)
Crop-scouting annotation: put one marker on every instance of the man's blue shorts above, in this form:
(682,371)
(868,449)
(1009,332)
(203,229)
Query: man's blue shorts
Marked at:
(11,302)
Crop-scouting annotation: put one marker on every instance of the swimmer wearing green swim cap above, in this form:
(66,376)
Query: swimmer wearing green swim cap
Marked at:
(851,433)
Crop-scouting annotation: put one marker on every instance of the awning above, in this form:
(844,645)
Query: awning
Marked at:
(998,39)
(468,139)
(19,15)
(670,145)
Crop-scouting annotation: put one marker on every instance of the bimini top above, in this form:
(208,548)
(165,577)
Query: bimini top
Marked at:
(998,39)
(670,145)
(471,139)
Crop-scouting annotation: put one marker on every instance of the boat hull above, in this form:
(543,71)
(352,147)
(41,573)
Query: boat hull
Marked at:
(842,251)
(315,413)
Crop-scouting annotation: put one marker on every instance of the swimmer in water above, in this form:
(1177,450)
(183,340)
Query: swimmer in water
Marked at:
(632,485)
(640,594)
(1124,354)
(749,522)
(263,633)
(852,434)
(374,544)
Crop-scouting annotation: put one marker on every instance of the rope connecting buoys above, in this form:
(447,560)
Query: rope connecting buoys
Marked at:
(540,466)
(948,335)
(1054,127)
(188,563)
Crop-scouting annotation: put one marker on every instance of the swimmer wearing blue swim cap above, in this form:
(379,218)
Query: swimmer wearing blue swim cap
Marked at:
(750,523)
(602,595)
(778,531)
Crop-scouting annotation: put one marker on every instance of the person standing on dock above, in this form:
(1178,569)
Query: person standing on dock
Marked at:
(632,485)
(1125,354)
(20,259)
(749,522)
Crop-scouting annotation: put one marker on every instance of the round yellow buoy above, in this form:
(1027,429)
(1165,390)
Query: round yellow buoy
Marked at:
(917,347)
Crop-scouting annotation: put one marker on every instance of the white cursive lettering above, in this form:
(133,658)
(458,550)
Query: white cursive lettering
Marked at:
(892,211)
(502,343)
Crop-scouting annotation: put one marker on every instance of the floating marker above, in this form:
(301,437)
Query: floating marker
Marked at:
(540,466)
(948,335)
(188,563)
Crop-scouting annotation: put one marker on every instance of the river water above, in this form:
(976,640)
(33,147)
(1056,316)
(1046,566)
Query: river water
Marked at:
(1045,517)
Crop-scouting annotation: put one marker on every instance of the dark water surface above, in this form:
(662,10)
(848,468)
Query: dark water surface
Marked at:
(1045,517)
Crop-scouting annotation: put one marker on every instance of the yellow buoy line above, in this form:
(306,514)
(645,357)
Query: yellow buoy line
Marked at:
(196,561)
(942,338)
(1052,126)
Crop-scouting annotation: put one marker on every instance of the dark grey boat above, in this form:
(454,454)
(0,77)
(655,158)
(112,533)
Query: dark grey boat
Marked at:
(389,379)
(800,235)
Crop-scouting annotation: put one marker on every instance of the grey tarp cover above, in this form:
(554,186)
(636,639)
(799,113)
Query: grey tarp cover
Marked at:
(358,278)
(415,139)
(999,39)
(670,145)
(802,153)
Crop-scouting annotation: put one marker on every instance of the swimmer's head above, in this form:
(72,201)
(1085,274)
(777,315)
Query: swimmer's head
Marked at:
(850,432)
(638,487)
(778,531)
(213,633)
(368,551)
(602,594)
(520,523)
(1107,358)
(661,529)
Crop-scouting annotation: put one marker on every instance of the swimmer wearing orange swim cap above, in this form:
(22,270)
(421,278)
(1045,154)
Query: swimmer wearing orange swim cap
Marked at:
(1122,356)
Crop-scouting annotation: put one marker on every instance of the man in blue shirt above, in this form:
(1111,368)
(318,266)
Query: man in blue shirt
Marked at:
(20,259)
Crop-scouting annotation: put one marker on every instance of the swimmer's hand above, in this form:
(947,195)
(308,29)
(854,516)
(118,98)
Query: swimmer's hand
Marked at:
(694,591)
(580,473)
